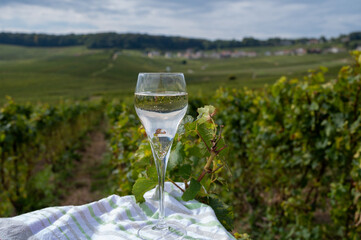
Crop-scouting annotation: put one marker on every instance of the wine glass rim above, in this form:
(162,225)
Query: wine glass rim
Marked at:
(163,73)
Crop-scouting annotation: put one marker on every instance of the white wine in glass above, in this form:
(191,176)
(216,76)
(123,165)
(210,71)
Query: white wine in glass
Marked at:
(161,102)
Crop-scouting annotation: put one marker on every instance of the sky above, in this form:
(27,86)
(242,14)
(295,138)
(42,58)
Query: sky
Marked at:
(210,19)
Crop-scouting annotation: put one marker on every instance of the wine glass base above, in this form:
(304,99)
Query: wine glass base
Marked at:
(170,232)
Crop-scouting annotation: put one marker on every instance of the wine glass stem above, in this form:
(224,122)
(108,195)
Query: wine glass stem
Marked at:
(161,161)
(161,222)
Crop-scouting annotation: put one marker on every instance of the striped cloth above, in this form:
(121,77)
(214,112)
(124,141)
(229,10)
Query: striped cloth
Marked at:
(114,217)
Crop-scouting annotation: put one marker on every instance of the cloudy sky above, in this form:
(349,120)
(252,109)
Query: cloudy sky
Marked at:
(211,19)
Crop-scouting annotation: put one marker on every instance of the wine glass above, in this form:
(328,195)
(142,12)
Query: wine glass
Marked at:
(161,102)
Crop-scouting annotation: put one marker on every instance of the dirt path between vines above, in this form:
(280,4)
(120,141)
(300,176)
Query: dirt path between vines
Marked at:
(79,190)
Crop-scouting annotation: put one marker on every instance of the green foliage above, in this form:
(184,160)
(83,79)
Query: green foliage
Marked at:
(141,186)
(196,158)
(205,114)
(223,212)
(243,236)
(176,157)
(131,151)
(191,192)
(37,143)
(295,156)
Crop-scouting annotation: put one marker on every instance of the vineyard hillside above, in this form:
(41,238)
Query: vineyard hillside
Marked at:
(52,74)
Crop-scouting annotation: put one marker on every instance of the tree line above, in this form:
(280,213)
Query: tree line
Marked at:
(145,41)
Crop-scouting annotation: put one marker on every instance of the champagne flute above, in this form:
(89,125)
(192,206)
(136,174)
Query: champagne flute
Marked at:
(161,102)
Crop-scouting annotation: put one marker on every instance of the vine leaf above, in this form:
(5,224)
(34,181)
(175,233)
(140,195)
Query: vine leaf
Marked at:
(197,150)
(190,128)
(141,186)
(176,156)
(181,128)
(205,113)
(223,212)
(152,173)
(184,171)
(206,134)
(192,190)
(355,125)
(223,155)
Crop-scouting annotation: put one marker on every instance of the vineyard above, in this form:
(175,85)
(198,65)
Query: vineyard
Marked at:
(282,162)
(37,146)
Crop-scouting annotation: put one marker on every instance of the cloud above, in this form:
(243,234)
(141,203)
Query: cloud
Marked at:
(263,19)
(29,18)
(193,18)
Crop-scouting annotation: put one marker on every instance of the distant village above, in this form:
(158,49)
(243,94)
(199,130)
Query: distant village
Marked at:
(219,54)
(312,46)
(192,54)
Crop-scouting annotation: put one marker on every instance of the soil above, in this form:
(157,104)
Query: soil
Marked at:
(80,190)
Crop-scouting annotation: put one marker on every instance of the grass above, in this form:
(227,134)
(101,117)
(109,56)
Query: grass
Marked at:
(53,74)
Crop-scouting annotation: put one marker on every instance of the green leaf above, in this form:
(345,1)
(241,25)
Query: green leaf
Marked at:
(355,125)
(184,171)
(204,113)
(195,151)
(323,69)
(206,183)
(192,190)
(223,155)
(143,155)
(223,182)
(190,129)
(186,120)
(142,163)
(176,156)
(2,137)
(223,212)
(314,106)
(141,186)
(338,119)
(329,129)
(206,134)
(152,173)
(203,151)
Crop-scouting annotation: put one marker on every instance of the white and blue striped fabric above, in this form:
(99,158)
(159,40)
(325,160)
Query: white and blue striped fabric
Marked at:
(114,217)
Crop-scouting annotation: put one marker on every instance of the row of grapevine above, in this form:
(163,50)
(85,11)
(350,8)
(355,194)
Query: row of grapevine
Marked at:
(125,138)
(35,143)
(296,155)
(293,152)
